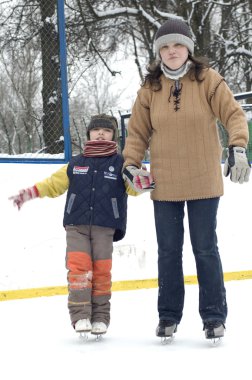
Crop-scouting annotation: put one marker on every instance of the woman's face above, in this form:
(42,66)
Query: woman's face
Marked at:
(174,55)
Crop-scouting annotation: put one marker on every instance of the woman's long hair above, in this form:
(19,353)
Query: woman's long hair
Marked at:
(152,78)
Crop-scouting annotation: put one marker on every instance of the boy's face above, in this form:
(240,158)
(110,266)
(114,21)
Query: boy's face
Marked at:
(99,133)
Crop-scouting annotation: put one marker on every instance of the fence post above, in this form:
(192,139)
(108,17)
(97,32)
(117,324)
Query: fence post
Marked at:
(123,129)
(64,86)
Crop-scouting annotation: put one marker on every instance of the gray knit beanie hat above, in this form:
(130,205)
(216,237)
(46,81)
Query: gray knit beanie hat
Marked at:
(103,121)
(173,31)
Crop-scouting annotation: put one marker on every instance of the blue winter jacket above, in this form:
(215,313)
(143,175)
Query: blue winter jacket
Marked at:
(96,193)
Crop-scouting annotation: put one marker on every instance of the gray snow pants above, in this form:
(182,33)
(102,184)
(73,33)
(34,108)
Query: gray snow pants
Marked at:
(89,262)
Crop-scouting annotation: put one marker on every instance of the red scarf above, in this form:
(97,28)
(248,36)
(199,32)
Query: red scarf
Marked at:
(100,148)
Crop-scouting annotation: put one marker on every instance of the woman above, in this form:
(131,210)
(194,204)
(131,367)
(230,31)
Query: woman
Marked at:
(175,116)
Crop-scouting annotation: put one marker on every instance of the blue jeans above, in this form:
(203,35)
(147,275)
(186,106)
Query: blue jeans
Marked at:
(170,237)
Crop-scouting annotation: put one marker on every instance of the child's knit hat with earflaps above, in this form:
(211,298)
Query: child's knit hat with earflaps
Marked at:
(103,121)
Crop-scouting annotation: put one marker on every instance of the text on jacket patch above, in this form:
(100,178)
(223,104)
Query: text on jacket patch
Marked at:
(80,169)
(110,175)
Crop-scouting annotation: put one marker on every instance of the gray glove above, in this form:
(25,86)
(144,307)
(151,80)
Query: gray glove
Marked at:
(140,180)
(237,164)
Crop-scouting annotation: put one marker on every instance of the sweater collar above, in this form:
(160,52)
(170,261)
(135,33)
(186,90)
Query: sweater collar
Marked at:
(176,74)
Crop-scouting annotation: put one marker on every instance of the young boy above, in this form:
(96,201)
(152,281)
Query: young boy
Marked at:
(95,216)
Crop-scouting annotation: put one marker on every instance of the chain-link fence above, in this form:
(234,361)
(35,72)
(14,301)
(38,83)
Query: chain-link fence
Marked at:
(33,91)
(34,117)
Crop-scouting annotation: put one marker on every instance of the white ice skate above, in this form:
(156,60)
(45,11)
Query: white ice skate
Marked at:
(98,329)
(83,326)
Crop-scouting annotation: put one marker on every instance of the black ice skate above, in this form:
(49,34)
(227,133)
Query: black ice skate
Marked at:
(214,330)
(165,330)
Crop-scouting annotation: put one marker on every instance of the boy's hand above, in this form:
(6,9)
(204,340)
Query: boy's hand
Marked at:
(139,180)
(23,196)
(237,165)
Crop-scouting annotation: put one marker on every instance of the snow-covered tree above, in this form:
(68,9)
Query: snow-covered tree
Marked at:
(222,31)
(96,31)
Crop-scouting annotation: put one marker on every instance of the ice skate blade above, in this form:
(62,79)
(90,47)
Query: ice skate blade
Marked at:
(98,336)
(167,339)
(215,341)
(83,336)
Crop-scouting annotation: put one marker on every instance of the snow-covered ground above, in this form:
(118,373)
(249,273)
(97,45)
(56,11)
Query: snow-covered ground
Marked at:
(37,340)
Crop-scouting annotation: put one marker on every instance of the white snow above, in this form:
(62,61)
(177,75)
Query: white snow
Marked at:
(37,340)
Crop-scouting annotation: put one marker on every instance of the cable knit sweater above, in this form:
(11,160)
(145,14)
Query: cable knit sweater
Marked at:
(185,151)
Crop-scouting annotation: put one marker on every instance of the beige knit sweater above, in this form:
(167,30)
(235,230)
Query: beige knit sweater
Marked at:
(185,151)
